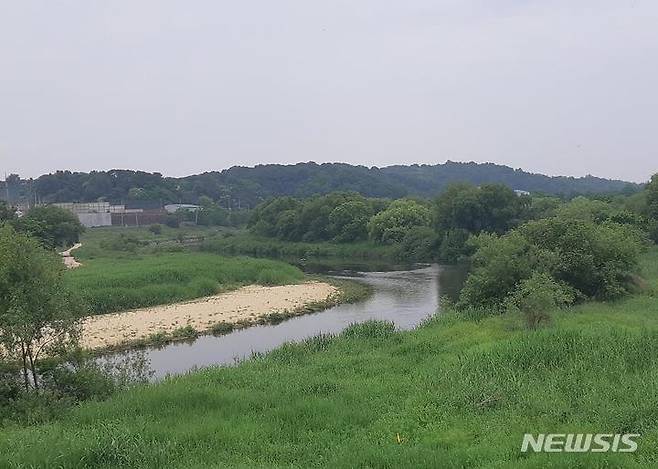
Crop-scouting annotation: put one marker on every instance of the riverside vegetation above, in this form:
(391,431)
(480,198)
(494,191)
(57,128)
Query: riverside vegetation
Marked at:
(455,392)
(554,331)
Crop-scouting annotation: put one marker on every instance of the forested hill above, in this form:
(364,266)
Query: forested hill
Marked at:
(248,186)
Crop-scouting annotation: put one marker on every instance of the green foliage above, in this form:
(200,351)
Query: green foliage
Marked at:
(453,246)
(7,213)
(38,313)
(222,328)
(64,384)
(172,220)
(348,221)
(340,217)
(53,226)
(391,225)
(184,333)
(250,186)
(493,208)
(582,208)
(441,388)
(652,197)
(596,261)
(109,285)
(543,206)
(537,296)
(258,246)
(156,229)
(498,265)
(418,245)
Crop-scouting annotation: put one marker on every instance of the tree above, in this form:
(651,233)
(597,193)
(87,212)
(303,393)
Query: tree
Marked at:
(652,197)
(498,265)
(349,220)
(582,208)
(392,224)
(7,213)
(38,313)
(53,226)
(537,296)
(493,208)
(593,260)
(418,245)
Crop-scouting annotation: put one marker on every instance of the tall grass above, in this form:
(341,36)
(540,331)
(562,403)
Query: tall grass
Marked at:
(454,393)
(109,285)
(258,246)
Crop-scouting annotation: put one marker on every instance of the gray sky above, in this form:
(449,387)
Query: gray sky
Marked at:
(181,87)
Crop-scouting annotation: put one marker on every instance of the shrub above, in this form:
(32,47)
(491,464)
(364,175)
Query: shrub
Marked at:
(536,296)
(184,333)
(156,229)
(595,261)
(392,224)
(419,244)
(221,328)
(172,220)
(499,264)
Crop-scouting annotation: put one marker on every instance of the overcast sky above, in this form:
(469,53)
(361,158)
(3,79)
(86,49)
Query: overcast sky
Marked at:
(181,87)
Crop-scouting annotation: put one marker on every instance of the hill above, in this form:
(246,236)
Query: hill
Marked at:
(241,186)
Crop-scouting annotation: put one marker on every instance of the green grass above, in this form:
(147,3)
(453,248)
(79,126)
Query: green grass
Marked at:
(125,242)
(109,285)
(248,244)
(458,393)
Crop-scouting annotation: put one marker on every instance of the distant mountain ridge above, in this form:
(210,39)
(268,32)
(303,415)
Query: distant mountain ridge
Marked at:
(246,186)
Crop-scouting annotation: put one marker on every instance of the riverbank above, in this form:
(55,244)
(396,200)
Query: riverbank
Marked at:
(452,393)
(241,307)
(110,285)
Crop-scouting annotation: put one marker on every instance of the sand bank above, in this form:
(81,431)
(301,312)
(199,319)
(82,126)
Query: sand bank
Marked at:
(246,304)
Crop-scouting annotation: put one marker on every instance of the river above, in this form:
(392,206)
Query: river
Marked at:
(404,297)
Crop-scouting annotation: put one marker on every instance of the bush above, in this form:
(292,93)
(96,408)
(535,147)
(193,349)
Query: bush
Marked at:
(156,229)
(499,264)
(419,244)
(184,333)
(595,261)
(391,225)
(172,220)
(221,328)
(536,296)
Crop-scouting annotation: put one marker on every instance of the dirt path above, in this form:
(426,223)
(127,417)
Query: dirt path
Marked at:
(69,260)
(245,304)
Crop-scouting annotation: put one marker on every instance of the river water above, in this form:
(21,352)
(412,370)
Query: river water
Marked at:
(404,297)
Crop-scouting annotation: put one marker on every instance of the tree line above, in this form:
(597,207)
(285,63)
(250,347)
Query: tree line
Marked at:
(242,187)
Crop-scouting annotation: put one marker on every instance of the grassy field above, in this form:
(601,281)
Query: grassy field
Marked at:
(122,242)
(126,268)
(125,242)
(109,285)
(453,393)
(248,244)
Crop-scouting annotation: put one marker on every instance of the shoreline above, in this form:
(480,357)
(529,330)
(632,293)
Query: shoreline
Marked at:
(221,313)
